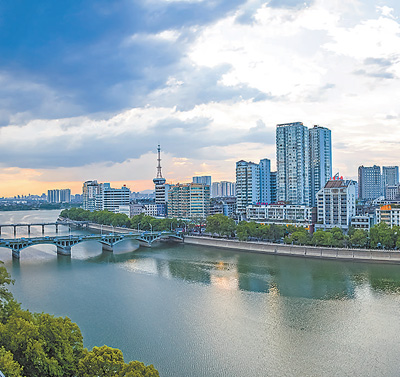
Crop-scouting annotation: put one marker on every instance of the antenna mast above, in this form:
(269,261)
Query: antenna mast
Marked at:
(159,174)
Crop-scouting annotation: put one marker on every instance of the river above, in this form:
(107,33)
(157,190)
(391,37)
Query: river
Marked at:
(196,311)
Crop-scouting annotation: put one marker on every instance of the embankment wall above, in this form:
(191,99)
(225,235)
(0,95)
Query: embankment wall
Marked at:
(357,255)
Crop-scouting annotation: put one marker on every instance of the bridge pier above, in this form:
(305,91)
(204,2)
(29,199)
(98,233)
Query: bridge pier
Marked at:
(144,243)
(63,250)
(15,253)
(107,247)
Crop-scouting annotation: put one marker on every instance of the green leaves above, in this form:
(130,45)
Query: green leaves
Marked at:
(221,225)
(109,362)
(8,365)
(101,361)
(43,345)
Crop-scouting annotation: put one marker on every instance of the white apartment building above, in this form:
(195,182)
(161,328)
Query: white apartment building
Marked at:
(361,222)
(280,213)
(336,204)
(247,185)
(90,190)
(101,196)
(389,214)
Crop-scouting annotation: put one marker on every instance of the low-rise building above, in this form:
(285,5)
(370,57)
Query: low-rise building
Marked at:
(125,209)
(280,213)
(361,222)
(392,193)
(389,214)
(151,210)
(135,209)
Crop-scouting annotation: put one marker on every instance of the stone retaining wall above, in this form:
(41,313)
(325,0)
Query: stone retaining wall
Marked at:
(363,255)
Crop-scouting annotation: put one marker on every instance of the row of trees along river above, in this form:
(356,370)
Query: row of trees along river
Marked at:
(379,236)
(39,344)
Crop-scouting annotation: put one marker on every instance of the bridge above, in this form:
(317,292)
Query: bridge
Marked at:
(108,241)
(79,224)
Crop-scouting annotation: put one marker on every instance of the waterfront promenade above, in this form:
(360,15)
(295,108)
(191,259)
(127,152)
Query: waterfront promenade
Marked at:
(355,255)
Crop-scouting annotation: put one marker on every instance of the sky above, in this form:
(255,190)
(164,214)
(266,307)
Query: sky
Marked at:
(89,88)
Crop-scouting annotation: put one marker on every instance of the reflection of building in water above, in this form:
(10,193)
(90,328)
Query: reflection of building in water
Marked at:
(313,279)
(225,276)
(253,278)
(192,272)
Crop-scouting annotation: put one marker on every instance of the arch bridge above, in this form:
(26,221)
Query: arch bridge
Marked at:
(108,241)
(28,226)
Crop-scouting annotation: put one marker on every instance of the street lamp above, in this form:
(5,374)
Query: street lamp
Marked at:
(151,228)
(138,227)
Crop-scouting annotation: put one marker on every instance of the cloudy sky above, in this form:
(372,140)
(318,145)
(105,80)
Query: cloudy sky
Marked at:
(89,88)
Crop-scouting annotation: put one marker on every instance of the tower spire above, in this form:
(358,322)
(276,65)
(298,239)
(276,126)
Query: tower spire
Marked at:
(159,174)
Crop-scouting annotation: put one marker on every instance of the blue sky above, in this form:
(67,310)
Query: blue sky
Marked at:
(89,88)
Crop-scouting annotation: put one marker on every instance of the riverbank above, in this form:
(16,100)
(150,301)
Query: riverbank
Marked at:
(355,255)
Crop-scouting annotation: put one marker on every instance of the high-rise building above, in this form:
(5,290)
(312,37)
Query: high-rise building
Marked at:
(110,199)
(223,189)
(265,180)
(293,163)
(65,196)
(189,200)
(102,197)
(59,196)
(369,182)
(320,159)
(161,189)
(390,176)
(336,204)
(53,196)
(247,184)
(203,179)
(273,186)
(90,190)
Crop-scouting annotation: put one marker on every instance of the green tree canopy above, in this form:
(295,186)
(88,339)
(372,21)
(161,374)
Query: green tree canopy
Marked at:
(8,365)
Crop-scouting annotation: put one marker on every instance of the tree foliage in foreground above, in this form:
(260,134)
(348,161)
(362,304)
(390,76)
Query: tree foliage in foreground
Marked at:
(39,344)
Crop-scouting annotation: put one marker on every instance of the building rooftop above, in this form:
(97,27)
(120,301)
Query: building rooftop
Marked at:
(337,183)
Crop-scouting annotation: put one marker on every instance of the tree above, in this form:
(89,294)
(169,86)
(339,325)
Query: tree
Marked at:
(5,279)
(322,238)
(101,361)
(242,231)
(138,369)
(382,235)
(299,237)
(359,238)
(338,238)
(8,365)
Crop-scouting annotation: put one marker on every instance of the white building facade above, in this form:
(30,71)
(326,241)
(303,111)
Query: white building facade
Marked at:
(247,185)
(389,214)
(336,204)
(280,213)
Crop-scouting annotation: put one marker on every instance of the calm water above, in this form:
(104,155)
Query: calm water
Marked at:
(206,312)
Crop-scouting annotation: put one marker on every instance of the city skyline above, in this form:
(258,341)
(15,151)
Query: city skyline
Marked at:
(90,90)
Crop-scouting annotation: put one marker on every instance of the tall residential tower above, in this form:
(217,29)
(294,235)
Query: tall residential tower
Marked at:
(293,163)
(320,160)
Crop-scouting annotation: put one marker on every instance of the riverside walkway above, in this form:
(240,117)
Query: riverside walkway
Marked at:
(108,241)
